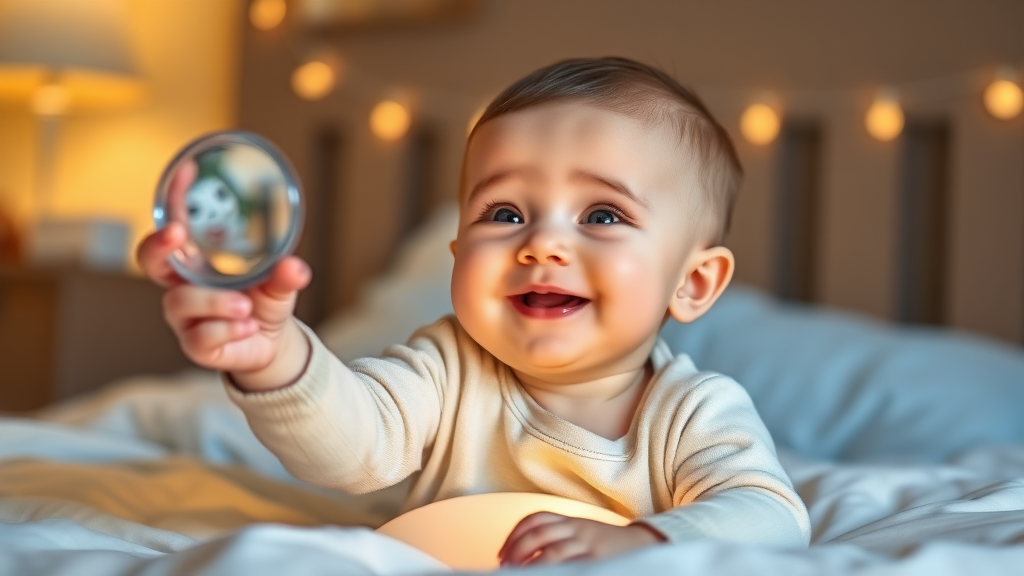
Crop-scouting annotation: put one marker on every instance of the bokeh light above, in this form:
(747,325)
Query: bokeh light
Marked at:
(884,119)
(389,120)
(50,100)
(759,124)
(267,14)
(313,80)
(1004,99)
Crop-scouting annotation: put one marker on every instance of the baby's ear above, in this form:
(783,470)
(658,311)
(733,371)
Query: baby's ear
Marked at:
(705,276)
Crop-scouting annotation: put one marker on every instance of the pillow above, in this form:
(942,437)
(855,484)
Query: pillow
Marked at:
(415,292)
(840,386)
(827,384)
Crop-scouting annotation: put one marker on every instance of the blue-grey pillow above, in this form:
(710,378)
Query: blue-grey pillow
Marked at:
(840,386)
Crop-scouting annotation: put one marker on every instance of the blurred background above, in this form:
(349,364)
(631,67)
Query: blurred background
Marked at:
(883,144)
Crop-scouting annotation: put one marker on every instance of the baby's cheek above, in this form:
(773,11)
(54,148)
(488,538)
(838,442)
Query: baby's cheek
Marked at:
(630,274)
(471,279)
(635,291)
(475,290)
(459,290)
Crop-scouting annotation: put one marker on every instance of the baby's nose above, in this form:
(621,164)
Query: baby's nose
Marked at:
(545,247)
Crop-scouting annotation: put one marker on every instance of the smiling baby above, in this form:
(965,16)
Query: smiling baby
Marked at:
(594,200)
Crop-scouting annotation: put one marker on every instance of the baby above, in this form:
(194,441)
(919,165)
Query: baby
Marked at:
(595,195)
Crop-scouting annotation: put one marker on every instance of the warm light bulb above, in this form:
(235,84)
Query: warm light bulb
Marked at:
(1004,99)
(51,100)
(759,124)
(884,119)
(389,120)
(313,80)
(267,14)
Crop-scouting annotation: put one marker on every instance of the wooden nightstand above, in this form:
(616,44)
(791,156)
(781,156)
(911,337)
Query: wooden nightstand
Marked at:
(65,332)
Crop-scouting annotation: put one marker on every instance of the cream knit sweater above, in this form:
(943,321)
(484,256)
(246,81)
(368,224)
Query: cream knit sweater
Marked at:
(697,460)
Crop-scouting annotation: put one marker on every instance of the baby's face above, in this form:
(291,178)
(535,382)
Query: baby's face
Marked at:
(572,239)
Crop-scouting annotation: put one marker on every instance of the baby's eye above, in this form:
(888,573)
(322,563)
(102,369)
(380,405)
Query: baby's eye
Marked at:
(507,215)
(601,216)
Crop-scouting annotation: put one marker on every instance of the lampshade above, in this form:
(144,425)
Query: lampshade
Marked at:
(66,55)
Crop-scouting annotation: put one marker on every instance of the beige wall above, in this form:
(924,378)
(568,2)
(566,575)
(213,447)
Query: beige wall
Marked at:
(108,164)
(987,219)
(821,59)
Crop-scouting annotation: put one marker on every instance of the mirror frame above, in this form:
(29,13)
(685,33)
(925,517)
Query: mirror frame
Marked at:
(208,275)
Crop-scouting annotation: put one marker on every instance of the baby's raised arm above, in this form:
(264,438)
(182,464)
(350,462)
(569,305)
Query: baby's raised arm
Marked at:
(359,427)
(356,430)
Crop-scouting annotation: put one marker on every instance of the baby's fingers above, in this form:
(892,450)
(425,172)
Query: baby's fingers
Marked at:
(177,192)
(155,249)
(210,343)
(274,300)
(187,304)
(562,551)
(532,534)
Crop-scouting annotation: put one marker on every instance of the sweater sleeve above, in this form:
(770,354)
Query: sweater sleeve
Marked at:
(361,427)
(728,482)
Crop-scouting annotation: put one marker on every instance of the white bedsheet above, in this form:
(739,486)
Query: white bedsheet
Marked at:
(163,477)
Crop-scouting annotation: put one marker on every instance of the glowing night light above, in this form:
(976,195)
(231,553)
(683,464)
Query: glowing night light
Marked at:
(884,119)
(389,120)
(313,80)
(759,124)
(467,532)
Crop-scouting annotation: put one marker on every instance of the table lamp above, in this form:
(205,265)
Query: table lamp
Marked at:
(63,57)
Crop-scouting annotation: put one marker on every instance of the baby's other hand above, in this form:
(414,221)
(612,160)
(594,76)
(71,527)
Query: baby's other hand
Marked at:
(548,538)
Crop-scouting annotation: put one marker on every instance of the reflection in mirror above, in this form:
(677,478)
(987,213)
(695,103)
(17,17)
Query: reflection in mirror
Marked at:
(239,199)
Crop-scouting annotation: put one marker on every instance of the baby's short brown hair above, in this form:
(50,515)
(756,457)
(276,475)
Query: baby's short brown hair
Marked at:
(644,92)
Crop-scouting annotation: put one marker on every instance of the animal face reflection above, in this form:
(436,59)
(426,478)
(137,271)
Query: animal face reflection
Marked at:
(214,218)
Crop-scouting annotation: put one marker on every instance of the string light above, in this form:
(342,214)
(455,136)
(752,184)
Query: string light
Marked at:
(1003,97)
(267,14)
(389,120)
(313,80)
(884,119)
(759,124)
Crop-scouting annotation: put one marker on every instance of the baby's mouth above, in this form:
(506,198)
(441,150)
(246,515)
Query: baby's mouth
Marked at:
(548,304)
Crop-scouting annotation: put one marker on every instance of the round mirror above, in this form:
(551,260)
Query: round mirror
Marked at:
(240,201)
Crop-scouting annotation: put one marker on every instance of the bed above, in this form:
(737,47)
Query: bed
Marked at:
(907,444)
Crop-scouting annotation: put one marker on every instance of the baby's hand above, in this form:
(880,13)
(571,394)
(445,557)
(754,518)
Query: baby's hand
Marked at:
(251,334)
(548,538)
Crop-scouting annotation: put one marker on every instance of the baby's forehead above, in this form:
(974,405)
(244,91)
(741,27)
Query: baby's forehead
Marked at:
(581,117)
(571,135)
